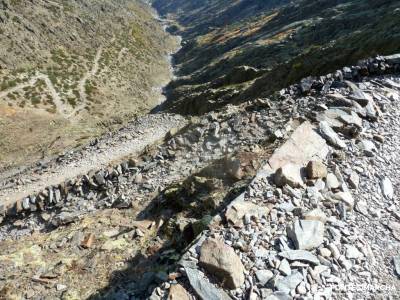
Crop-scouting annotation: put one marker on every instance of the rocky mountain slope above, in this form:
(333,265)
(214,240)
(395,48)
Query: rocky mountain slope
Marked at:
(237,50)
(292,196)
(71,70)
(272,191)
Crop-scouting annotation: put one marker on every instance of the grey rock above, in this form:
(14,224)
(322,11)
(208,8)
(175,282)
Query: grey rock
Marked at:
(351,119)
(306,234)
(51,196)
(300,255)
(289,283)
(64,218)
(99,177)
(331,136)
(352,252)
(295,193)
(393,59)
(340,119)
(334,250)
(261,252)
(286,206)
(372,111)
(284,267)
(368,147)
(26,204)
(57,195)
(361,97)
(362,207)
(264,276)
(344,197)
(347,264)
(204,289)
(279,296)
(396,263)
(306,84)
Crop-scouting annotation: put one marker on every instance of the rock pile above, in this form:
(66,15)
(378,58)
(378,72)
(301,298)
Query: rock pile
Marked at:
(324,213)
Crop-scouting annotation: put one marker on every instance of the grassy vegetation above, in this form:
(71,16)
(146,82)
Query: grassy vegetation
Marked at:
(138,36)
(15,2)
(90,88)
(72,101)
(5,85)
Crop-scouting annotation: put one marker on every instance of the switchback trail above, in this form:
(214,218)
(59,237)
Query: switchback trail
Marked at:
(60,106)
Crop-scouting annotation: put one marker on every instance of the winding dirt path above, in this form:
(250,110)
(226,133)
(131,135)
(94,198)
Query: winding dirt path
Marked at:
(62,109)
(82,83)
(60,106)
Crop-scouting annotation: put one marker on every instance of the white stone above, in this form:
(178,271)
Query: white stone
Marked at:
(387,188)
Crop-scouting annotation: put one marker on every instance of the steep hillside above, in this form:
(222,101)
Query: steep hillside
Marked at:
(291,197)
(274,191)
(71,70)
(281,42)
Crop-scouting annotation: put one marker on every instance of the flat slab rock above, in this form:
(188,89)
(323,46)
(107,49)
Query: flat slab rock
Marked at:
(306,234)
(221,261)
(204,289)
(305,144)
(299,255)
(289,283)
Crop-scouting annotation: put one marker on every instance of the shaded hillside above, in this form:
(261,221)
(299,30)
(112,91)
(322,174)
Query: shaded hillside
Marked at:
(71,70)
(283,42)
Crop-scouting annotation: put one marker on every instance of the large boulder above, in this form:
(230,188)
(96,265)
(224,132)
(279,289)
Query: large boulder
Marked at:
(302,146)
(221,261)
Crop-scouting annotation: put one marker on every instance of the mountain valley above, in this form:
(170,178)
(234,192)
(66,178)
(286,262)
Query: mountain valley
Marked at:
(199,149)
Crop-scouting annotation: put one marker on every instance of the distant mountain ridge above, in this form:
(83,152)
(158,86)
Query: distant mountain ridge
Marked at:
(284,40)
